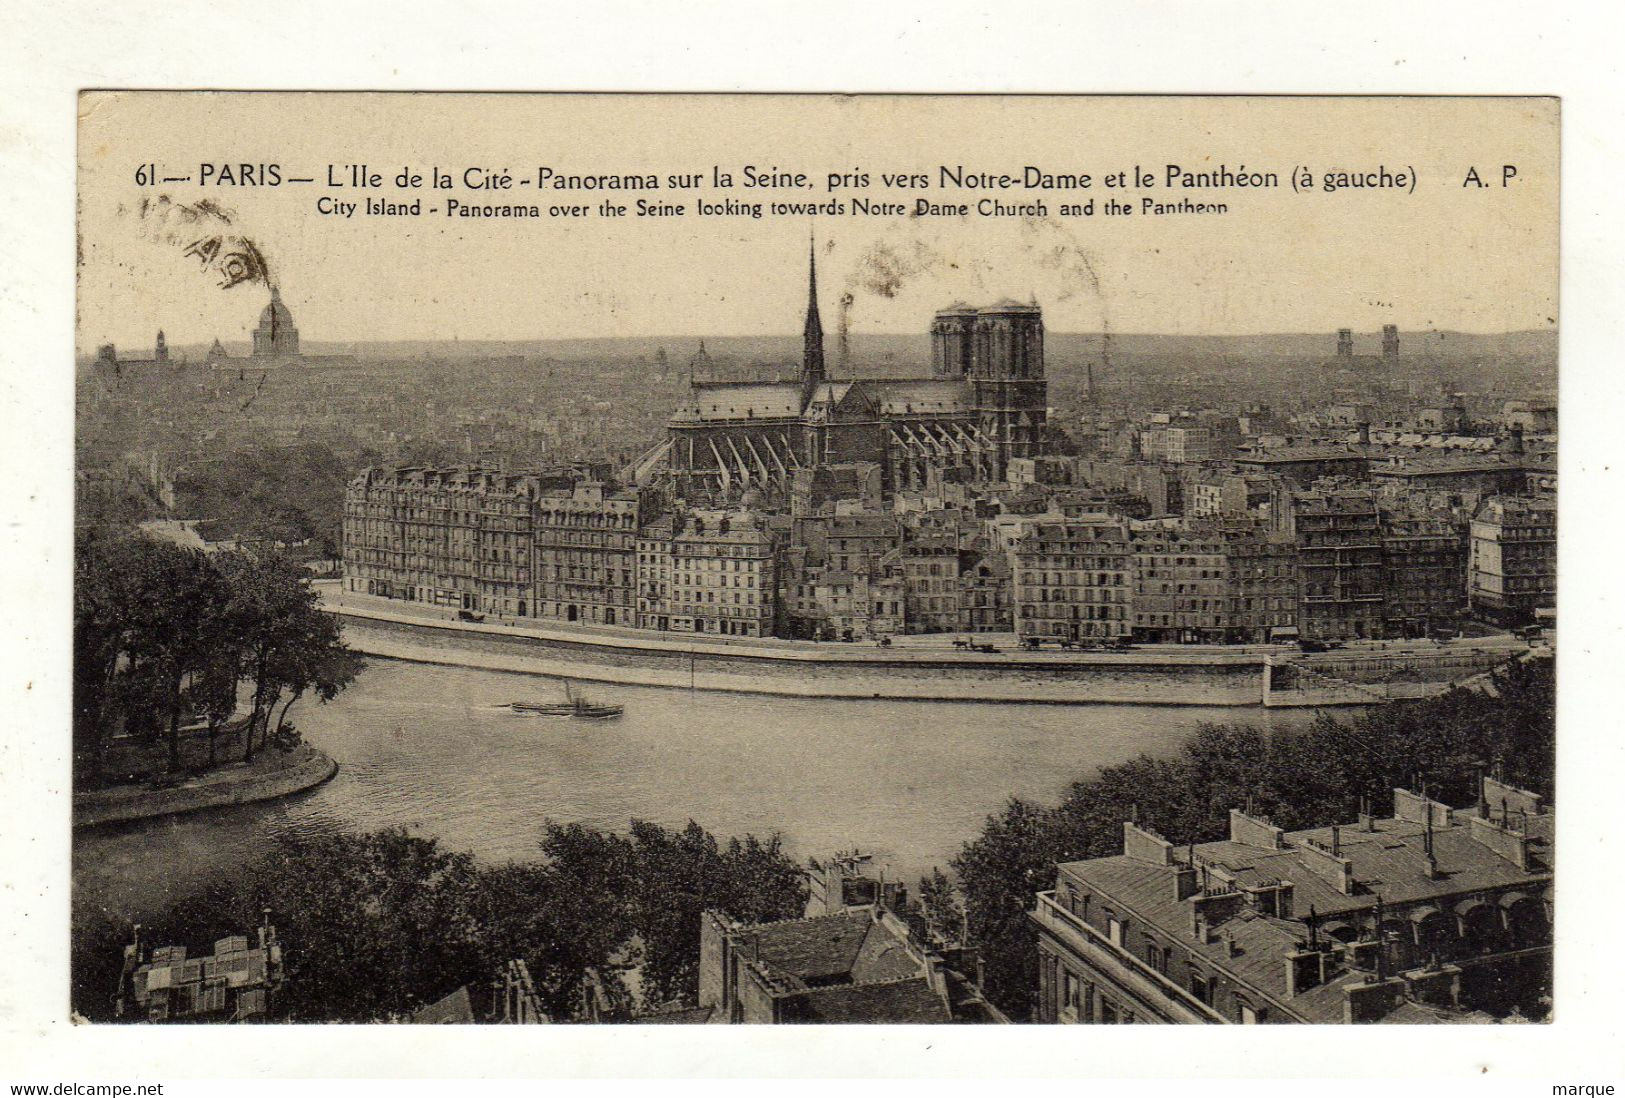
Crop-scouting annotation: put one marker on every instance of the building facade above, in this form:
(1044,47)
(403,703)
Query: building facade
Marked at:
(455,538)
(930,568)
(715,572)
(655,574)
(1513,558)
(1424,559)
(1074,580)
(1181,584)
(523,545)
(984,595)
(235,983)
(1262,590)
(1340,564)
(586,544)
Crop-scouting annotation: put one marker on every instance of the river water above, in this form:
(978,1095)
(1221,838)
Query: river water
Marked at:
(430,748)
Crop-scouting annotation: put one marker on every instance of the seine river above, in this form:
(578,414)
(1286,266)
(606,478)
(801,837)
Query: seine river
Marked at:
(430,748)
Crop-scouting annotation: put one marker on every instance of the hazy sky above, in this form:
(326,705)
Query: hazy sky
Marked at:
(1476,259)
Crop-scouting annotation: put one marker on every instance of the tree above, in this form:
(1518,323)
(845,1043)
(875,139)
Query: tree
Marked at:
(682,874)
(374,926)
(1000,871)
(589,883)
(212,694)
(163,632)
(102,608)
(942,907)
(163,592)
(290,646)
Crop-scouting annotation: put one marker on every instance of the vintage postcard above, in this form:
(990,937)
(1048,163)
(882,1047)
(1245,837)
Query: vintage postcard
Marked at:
(779,559)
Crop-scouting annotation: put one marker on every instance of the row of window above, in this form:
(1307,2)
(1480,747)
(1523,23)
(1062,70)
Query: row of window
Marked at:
(1026,575)
(1086,595)
(1082,613)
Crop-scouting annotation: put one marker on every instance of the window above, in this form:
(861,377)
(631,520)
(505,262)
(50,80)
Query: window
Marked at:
(1114,930)
(1249,1016)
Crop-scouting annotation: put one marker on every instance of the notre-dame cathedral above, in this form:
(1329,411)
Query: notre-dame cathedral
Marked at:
(984,404)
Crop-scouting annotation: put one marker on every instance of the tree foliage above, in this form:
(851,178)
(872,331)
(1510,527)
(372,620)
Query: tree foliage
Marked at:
(684,873)
(375,926)
(290,494)
(164,634)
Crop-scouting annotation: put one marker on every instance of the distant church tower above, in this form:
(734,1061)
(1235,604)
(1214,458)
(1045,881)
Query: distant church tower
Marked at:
(1390,342)
(276,335)
(160,349)
(812,335)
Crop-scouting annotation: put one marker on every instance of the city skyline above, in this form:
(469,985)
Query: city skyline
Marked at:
(201,316)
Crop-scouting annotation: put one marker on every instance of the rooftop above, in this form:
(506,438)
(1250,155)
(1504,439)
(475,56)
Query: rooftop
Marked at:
(743,400)
(921,397)
(1440,464)
(1287,454)
(858,965)
(1247,902)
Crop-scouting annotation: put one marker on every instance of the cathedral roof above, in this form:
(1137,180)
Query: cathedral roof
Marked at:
(922,397)
(728,402)
(831,391)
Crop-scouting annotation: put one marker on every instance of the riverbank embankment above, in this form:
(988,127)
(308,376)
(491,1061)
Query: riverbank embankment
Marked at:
(1151,675)
(273,773)
(868,673)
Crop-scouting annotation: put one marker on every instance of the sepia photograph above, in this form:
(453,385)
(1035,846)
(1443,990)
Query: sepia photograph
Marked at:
(678,559)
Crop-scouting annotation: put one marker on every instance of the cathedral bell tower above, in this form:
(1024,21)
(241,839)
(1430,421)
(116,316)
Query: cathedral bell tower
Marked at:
(1007,379)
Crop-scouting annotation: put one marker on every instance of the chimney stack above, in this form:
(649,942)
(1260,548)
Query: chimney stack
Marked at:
(1185,885)
(1248,830)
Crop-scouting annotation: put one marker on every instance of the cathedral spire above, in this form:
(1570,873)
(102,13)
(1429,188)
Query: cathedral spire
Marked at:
(812,336)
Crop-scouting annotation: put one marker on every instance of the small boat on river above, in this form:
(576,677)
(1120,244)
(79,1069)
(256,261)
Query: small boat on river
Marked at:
(573,705)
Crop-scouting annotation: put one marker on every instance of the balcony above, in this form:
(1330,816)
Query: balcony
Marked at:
(1096,950)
